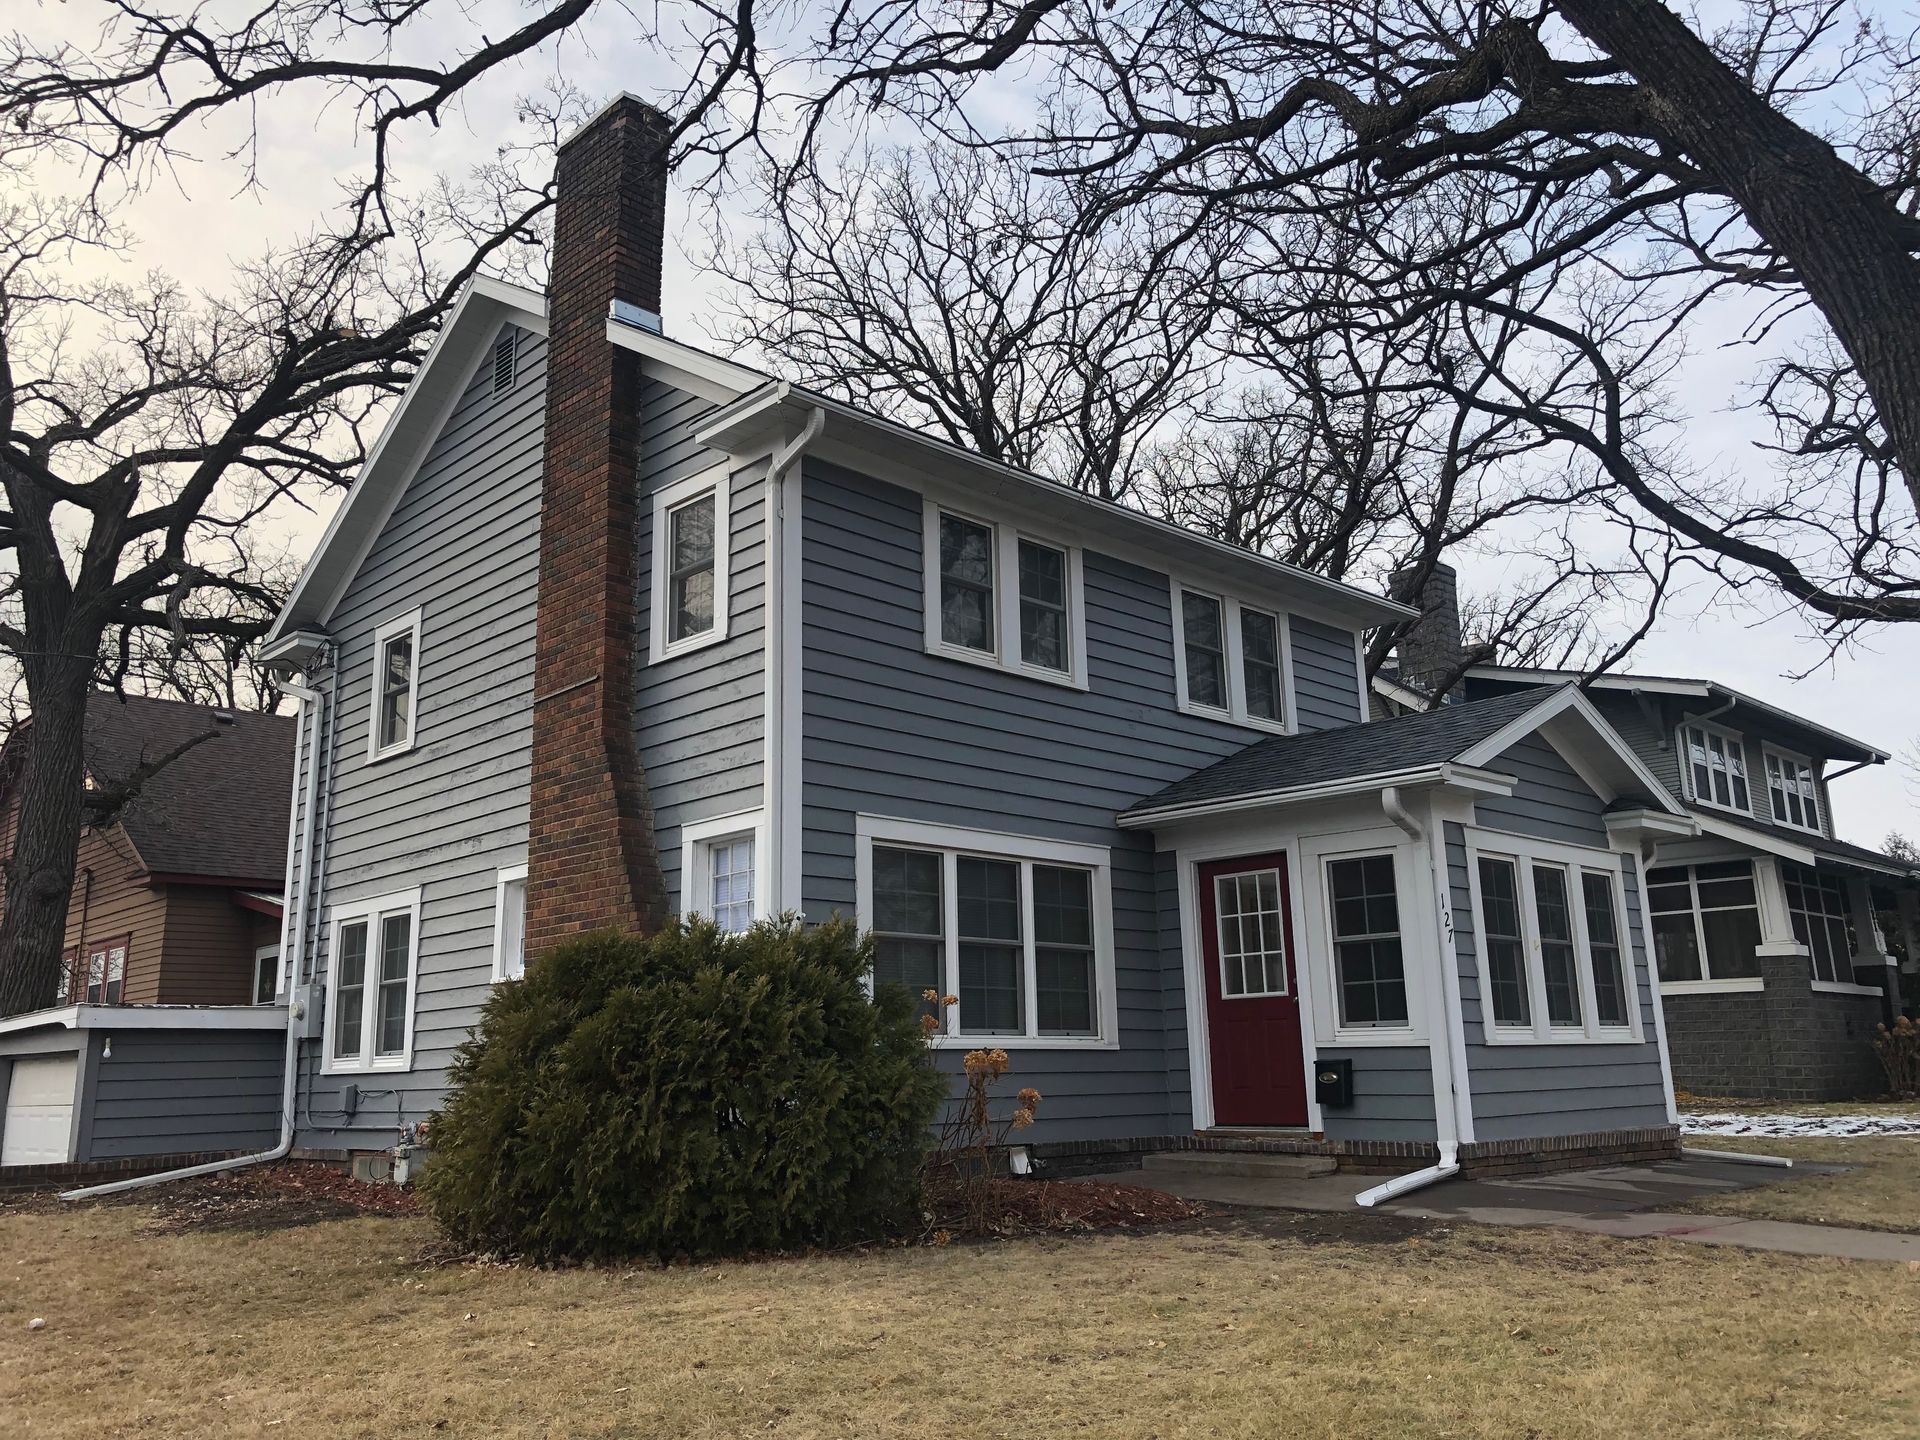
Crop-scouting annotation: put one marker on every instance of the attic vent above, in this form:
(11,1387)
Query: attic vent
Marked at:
(223,717)
(503,359)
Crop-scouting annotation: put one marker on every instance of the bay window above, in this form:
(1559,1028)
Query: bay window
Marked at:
(1550,926)
(1018,930)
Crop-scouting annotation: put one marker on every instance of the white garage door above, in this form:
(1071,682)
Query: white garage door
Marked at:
(39,1112)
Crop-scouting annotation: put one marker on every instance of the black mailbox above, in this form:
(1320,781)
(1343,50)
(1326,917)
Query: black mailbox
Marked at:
(1333,1082)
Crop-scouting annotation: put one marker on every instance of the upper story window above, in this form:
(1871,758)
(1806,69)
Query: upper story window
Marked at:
(998,596)
(1705,921)
(720,870)
(1019,930)
(1793,789)
(690,545)
(370,984)
(1550,924)
(396,686)
(510,923)
(1232,660)
(1716,762)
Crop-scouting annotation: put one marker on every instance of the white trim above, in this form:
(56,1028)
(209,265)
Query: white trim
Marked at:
(667,499)
(372,911)
(1233,660)
(1843,987)
(697,840)
(1740,985)
(1362,689)
(1005,592)
(953,841)
(149,1017)
(1523,852)
(261,953)
(1414,901)
(1813,767)
(1460,777)
(408,624)
(1563,704)
(504,879)
(1683,753)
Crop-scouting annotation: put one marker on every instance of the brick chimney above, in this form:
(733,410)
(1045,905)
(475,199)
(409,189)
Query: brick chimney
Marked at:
(592,857)
(1430,649)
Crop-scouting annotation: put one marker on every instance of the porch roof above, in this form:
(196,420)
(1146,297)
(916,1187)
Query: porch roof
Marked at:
(1352,752)
(1785,841)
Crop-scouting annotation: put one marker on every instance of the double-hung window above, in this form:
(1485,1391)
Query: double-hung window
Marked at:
(1551,928)
(102,977)
(690,545)
(374,961)
(1231,660)
(720,870)
(1018,930)
(1705,921)
(396,686)
(997,596)
(1793,789)
(1716,767)
(1822,920)
(1369,964)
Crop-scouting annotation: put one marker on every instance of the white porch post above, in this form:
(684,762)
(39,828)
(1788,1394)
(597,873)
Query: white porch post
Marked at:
(1776,924)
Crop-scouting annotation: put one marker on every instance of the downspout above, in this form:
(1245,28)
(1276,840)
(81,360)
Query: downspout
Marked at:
(296,1003)
(1446,1093)
(783,819)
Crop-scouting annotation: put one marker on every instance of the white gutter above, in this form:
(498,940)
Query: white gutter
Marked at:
(780,770)
(1738,1157)
(295,1009)
(1464,777)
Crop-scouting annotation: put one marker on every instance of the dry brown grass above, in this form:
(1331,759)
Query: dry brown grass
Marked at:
(1883,1194)
(335,1329)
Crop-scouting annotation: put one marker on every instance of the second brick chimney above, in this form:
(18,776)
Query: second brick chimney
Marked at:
(592,856)
(1430,649)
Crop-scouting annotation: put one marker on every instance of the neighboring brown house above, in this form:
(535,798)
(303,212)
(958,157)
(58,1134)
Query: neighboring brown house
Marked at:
(177,900)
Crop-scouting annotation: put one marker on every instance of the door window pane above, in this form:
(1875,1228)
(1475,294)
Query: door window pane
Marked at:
(1505,942)
(1603,945)
(1260,664)
(1063,950)
(731,880)
(1253,956)
(1553,914)
(1043,606)
(1369,965)
(990,949)
(350,990)
(1205,638)
(396,943)
(690,577)
(966,584)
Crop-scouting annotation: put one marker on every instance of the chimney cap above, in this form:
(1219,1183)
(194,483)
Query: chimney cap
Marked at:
(625,99)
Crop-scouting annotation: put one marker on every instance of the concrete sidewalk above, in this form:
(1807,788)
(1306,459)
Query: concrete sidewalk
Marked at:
(1622,1200)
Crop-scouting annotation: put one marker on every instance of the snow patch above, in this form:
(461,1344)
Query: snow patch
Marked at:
(1810,1127)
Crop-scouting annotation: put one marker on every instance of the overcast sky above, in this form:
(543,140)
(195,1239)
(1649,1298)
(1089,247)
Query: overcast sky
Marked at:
(197,227)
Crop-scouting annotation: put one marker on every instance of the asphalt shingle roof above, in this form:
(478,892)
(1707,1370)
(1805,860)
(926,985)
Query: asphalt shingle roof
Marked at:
(1351,752)
(220,809)
(1838,850)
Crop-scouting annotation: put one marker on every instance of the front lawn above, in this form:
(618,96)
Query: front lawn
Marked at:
(1286,1324)
(1883,1194)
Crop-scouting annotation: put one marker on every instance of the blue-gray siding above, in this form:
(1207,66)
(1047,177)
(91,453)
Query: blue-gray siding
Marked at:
(1326,675)
(174,1092)
(1530,1090)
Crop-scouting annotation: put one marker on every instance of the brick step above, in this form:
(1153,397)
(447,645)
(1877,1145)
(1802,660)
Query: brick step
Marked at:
(1250,1164)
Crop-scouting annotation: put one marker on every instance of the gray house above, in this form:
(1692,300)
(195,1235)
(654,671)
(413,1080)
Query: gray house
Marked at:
(604,606)
(1770,933)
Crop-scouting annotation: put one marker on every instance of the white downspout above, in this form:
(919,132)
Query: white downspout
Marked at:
(783,818)
(1446,1093)
(292,941)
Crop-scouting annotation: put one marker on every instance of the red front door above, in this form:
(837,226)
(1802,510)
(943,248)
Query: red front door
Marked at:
(1253,1002)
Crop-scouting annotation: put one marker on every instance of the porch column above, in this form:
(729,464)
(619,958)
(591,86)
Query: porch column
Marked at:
(1872,964)
(1776,923)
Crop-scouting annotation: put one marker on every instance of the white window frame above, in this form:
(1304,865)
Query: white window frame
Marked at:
(507,932)
(1708,984)
(697,841)
(1737,742)
(951,842)
(1235,711)
(1524,852)
(1419,947)
(1787,758)
(261,955)
(666,500)
(1005,655)
(373,911)
(408,624)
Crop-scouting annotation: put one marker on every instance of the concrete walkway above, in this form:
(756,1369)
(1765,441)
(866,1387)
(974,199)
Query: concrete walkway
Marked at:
(1623,1200)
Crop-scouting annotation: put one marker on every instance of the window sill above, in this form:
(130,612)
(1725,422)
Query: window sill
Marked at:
(1743,985)
(1021,1042)
(374,757)
(388,1065)
(1381,1037)
(1227,717)
(1492,1036)
(994,662)
(1843,987)
(677,648)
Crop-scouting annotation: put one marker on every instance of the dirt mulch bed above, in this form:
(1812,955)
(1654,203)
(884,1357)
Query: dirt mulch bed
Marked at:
(268,1197)
(1024,1207)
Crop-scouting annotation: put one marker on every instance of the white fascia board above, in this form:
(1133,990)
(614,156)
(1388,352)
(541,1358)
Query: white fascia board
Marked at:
(1604,739)
(410,430)
(151,1017)
(1651,822)
(61,1017)
(1755,839)
(1400,694)
(717,381)
(1463,777)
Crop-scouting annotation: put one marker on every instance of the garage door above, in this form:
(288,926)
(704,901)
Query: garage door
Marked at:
(39,1118)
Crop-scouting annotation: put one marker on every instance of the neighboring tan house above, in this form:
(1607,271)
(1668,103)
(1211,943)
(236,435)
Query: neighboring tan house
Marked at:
(173,938)
(605,615)
(1767,927)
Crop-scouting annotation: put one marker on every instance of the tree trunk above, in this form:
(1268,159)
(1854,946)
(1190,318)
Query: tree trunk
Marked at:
(1850,247)
(39,873)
